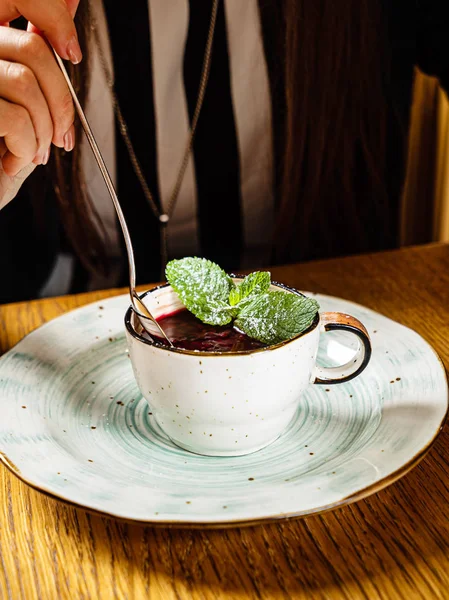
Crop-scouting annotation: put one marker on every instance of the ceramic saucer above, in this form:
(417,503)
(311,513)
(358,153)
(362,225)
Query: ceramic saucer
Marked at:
(74,425)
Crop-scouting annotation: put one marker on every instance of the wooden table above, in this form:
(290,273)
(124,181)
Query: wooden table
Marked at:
(392,545)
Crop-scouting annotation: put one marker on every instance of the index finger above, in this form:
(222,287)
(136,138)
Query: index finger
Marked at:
(52,18)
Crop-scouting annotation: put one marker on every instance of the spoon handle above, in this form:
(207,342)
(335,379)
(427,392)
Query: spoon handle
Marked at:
(115,200)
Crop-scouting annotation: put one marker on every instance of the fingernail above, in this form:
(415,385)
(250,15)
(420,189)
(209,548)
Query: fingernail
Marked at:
(74,51)
(39,158)
(69,140)
(46,156)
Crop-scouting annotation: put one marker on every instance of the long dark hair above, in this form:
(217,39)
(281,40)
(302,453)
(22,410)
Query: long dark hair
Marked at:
(336,67)
(333,108)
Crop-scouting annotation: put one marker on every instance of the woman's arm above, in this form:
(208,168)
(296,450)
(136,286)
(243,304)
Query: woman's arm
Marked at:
(10,186)
(36,109)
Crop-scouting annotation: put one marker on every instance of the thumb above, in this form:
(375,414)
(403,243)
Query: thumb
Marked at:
(72,5)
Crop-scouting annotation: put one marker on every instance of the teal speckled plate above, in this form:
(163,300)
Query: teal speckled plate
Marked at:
(74,425)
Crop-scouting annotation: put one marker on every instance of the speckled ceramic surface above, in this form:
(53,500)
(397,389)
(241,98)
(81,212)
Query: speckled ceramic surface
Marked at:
(73,424)
(233,403)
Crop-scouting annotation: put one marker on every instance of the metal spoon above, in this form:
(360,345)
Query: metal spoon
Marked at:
(139,307)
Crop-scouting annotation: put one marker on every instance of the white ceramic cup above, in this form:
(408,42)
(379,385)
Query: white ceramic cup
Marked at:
(229,404)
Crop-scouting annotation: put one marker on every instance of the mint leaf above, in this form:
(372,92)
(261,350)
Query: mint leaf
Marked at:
(203,288)
(256,283)
(210,294)
(277,316)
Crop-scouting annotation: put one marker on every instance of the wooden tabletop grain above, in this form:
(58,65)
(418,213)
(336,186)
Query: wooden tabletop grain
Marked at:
(392,545)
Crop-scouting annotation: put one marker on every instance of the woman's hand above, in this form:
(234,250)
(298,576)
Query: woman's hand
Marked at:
(35,104)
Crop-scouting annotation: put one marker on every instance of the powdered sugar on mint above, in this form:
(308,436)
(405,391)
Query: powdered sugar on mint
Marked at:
(211,295)
(203,288)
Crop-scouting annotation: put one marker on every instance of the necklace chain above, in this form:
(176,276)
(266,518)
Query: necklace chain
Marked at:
(162,216)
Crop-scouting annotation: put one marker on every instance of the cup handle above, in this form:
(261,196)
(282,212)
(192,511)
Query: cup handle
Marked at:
(331,321)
